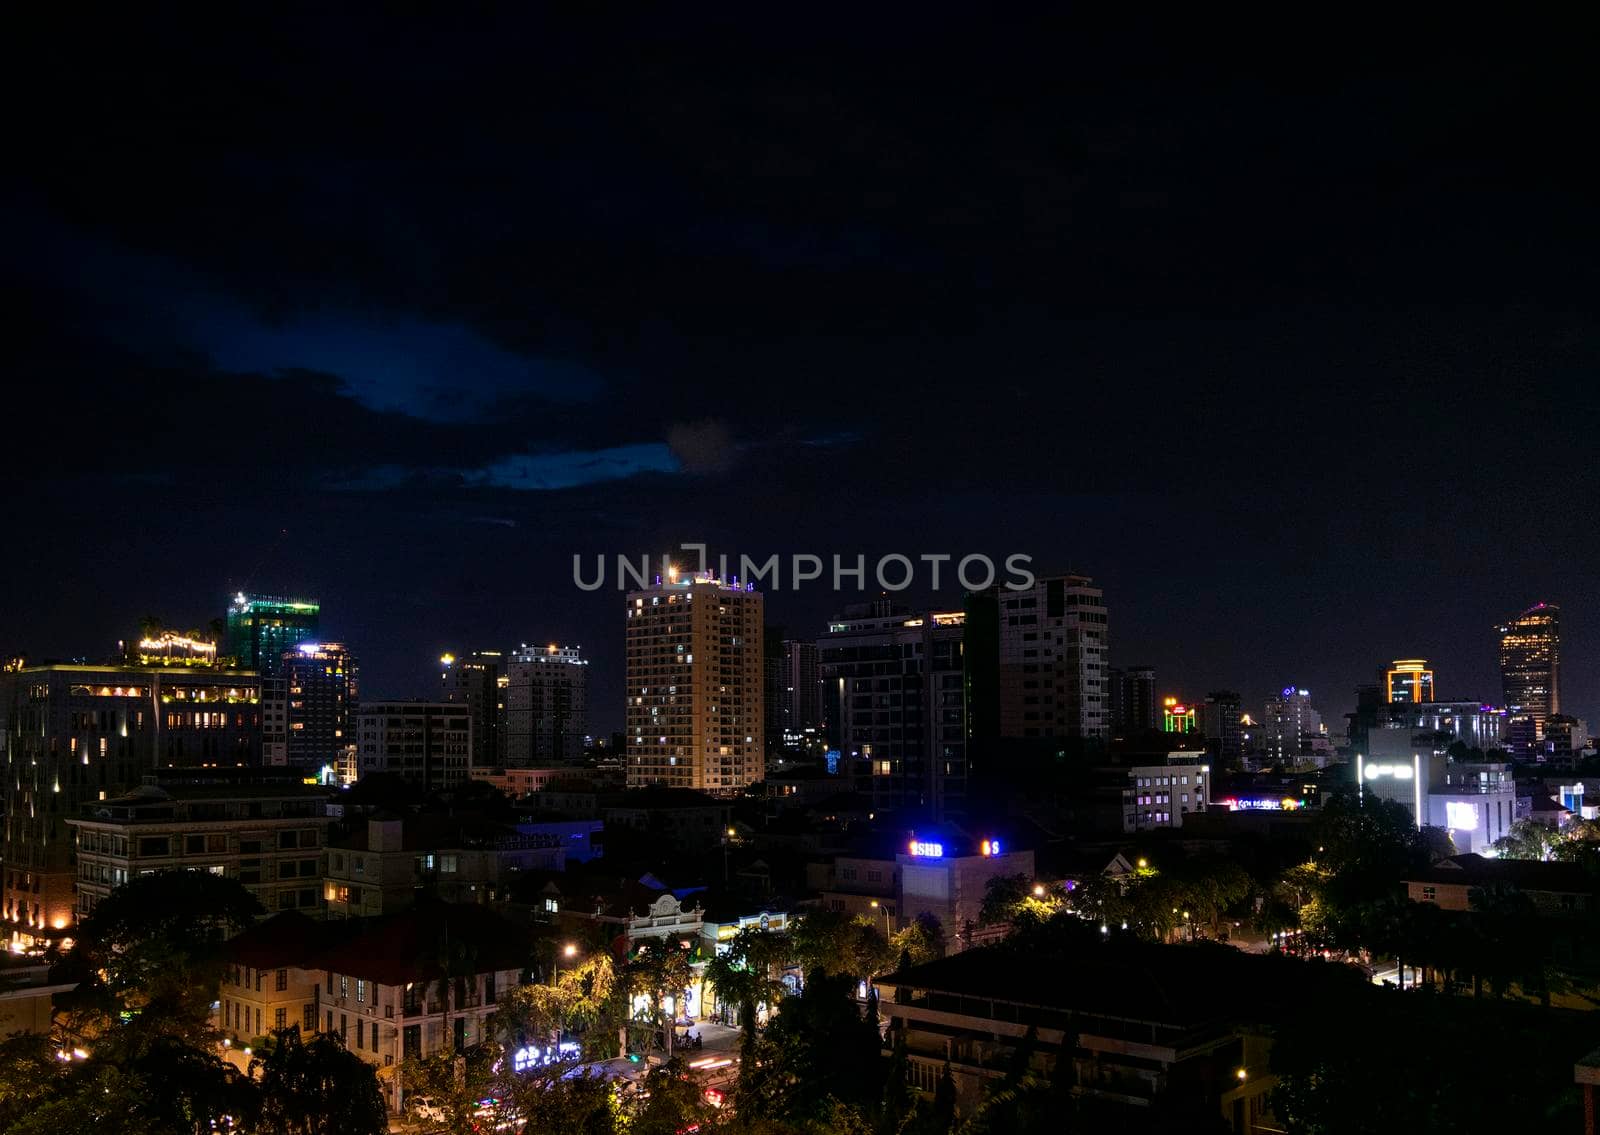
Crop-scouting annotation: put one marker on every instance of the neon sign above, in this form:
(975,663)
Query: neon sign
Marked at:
(1263,804)
(991,847)
(927,849)
(1399,772)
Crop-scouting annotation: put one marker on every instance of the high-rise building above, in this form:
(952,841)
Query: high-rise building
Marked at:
(74,734)
(1288,725)
(1221,715)
(262,628)
(799,692)
(547,701)
(695,688)
(1530,672)
(426,743)
(473,680)
(1408,681)
(895,703)
(1053,650)
(1131,699)
(321,689)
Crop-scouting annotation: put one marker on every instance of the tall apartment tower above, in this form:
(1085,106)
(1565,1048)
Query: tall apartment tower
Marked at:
(1408,681)
(894,697)
(695,697)
(426,743)
(1286,721)
(262,628)
(1053,669)
(1220,717)
(800,691)
(473,681)
(547,700)
(321,689)
(1530,673)
(72,735)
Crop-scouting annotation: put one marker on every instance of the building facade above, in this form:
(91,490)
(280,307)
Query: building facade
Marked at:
(263,628)
(474,681)
(321,689)
(1408,681)
(1054,650)
(267,832)
(76,734)
(547,702)
(695,690)
(426,743)
(1288,725)
(799,693)
(1131,701)
(1221,715)
(1530,672)
(1160,796)
(895,704)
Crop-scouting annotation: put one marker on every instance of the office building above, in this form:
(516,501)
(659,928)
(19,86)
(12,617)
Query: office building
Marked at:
(1408,681)
(1053,661)
(1565,739)
(263,628)
(894,700)
(75,734)
(695,684)
(320,691)
(1475,801)
(473,680)
(1132,703)
(266,831)
(547,701)
(1530,672)
(426,743)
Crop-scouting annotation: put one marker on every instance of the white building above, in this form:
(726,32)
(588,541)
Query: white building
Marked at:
(1159,796)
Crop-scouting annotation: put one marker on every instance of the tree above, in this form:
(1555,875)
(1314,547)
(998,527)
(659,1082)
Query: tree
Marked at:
(819,1047)
(1528,839)
(30,1075)
(829,941)
(317,1088)
(658,970)
(675,1103)
(153,945)
(922,940)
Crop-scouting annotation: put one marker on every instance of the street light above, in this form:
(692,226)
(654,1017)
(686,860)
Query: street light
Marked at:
(570,951)
(875,906)
(1038,890)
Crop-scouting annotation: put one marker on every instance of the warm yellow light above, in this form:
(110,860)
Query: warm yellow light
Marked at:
(1240,1073)
(874,904)
(1038,891)
(448,659)
(1143,863)
(570,950)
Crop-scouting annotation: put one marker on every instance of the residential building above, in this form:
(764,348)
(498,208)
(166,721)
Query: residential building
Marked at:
(75,734)
(1530,672)
(1565,738)
(1555,888)
(385,865)
(321,690)
(1289,725)
(518,782)
(1054,650)
(547,701)
(263,628)
(473,680)
(695,694)
(799,693)
(1158,796)
(254,825)
(1131,701)
(893,685)
(426,743)
(27,996)
(1221,715)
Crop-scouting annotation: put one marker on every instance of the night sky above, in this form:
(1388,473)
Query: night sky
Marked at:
(1284,333)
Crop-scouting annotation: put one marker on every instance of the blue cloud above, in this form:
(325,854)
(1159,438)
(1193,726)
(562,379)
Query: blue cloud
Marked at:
(527,472)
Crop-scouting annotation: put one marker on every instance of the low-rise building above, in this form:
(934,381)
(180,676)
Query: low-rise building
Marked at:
(1555,888)
(258,826)
(1156,796)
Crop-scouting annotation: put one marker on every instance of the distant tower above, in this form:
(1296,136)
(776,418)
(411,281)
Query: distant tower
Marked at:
(1530,671)
(547,703)
(1054,646)
(1408,681)
(321,688)
(473,680)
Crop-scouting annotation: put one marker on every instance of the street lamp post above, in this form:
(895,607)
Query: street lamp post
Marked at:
(877,906)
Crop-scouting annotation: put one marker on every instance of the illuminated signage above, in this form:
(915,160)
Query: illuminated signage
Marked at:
(991,847)
(1399,772)
(927,849)
(535,1056)
(1263,804)
(1461,817)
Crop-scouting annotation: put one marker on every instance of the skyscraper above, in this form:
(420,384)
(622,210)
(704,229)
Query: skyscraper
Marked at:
(1053,651)
(799,691)
(1408,681)
(695,690)
(547,703)
(473,680)
(321,689)
(74,734)
(1132,707)
(1530,672)
(895,702)
(262,627)
(1220,717)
